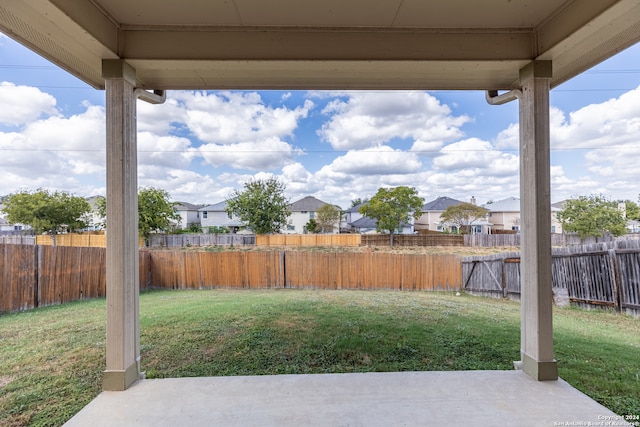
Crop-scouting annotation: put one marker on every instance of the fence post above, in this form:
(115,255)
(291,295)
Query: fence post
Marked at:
(504,278)
(615,277)
(36,278)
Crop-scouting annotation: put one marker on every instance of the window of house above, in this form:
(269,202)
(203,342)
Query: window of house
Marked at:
(291,227)
(204,214)
(312,215)
(516,228)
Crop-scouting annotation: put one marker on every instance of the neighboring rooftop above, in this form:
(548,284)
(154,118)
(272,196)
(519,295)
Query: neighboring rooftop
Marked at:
(440,204)
(510,204)
(307,204)
(216,207)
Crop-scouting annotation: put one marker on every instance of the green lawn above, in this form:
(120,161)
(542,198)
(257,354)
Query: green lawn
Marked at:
(51,359)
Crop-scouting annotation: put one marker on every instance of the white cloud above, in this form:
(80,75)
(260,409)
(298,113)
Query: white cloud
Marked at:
(369,119)
(509,138)
(296,172)
(614,122)
(427,148)
(57,152)
(167,151)
(234,117)
(262,155)
(377,161)
(476,154)
(161,119)
(23,104)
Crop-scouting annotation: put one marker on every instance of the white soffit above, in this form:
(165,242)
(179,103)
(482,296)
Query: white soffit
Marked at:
(323,44)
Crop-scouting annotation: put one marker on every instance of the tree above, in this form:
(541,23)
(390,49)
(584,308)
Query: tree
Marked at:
(327,216)
(312,226)
(47,212)
(592,216)
(632,210)
(463,215)
(393,207)
(261,205)
(358,201)
(155,210)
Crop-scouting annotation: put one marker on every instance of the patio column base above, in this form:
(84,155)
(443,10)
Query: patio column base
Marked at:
(538,370)
(121,380)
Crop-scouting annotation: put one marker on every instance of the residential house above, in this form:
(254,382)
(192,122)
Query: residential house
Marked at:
(505,215)
(216,216)
(301,212)
(188,213)
(633,226)
(349,217)
(354,222)
(95,221)
(431,212)
(5,227)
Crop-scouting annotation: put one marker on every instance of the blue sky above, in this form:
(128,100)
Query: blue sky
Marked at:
(336,146)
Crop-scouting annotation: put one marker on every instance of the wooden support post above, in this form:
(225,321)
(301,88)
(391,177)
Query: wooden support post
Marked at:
(123,330)
(535,188)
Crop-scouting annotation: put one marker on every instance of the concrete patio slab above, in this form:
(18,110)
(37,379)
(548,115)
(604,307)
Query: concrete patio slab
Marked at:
(458,398)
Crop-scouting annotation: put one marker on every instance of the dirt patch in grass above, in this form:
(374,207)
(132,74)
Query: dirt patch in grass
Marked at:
(5,381)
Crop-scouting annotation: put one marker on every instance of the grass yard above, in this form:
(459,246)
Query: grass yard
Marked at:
(51,359)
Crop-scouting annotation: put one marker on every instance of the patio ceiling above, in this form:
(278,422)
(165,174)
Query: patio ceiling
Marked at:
(324,44)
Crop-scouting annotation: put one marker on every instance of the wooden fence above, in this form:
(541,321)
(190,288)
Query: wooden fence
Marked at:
(199,239)
(308,240)
(595,275)
(300,269)
(84,240)
(79,240)
(557,240)
(17,239)
(413,240)
(34,276)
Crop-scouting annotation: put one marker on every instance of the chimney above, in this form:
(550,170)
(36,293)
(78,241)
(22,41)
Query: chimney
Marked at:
(473,200)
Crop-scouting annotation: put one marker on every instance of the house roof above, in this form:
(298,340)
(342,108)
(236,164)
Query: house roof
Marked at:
(510,204)
(307,204)
(216,207)
(332,44)
(440,204)
(355,208)
(364,222)
(184,206)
